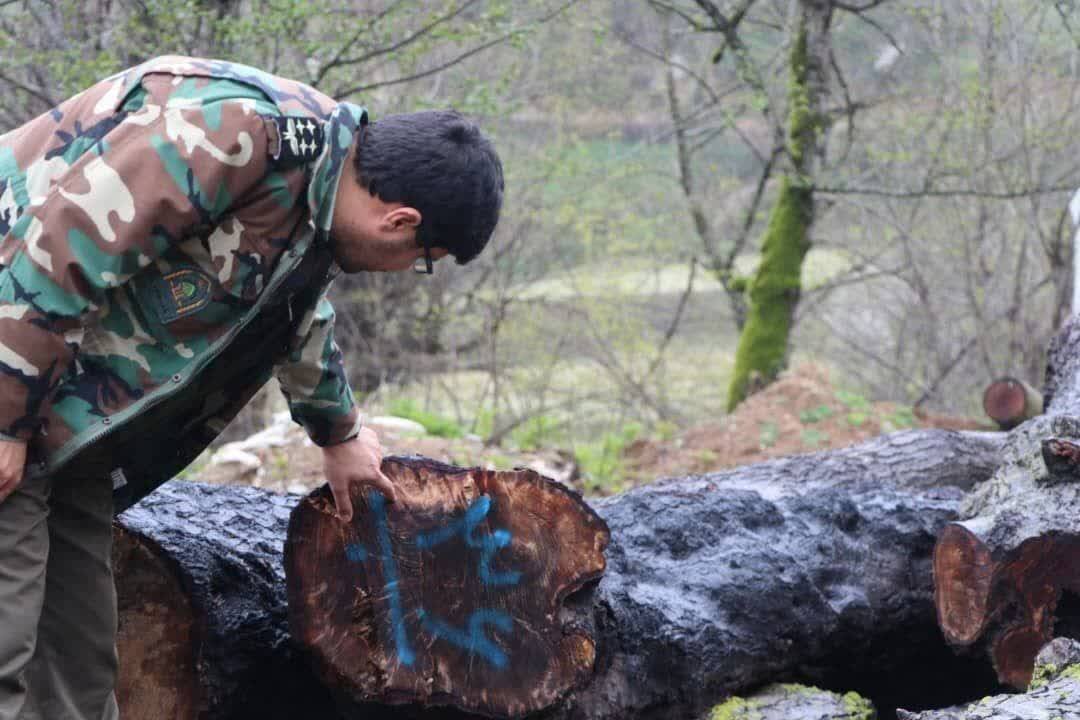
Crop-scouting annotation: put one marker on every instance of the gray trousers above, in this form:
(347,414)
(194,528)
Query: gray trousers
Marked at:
(57,602)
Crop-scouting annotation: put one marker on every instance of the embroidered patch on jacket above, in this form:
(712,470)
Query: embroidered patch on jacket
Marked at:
(181,293)
(300,140)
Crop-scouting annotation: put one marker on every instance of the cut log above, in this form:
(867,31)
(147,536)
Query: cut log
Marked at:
(814,568)
(1053,695)
(201,598)
(455,599)
(1009,402)
(1005,571)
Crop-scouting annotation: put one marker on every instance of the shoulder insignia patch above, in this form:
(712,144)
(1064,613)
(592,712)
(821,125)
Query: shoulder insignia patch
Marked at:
(181,293)
(300,140)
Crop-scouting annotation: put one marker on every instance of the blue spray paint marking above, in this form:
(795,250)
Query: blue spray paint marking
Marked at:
(389,566)
(472,641)
(487,544)
(474,515)
(356,552)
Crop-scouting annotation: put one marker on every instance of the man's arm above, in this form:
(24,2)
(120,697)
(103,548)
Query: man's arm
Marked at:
(315,384)
(150,180)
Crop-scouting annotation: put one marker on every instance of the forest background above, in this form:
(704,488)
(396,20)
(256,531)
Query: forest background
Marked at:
(905,167)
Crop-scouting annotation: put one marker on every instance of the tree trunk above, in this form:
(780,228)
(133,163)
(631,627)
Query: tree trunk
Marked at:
(201,597)
(1008,573)
(813,568)
(774,291)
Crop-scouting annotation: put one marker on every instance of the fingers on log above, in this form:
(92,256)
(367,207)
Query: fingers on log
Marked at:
(454,599)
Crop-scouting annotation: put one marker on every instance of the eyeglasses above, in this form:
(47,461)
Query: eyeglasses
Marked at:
(423,265)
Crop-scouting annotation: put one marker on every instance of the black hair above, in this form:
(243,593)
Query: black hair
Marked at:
(440,163)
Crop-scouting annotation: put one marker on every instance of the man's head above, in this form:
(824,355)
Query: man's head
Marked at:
(419,177)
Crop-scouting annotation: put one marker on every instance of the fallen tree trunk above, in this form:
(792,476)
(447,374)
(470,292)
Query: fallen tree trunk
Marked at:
(714,585)
(813,568)
(201,598)
(794,702)
(1005,571)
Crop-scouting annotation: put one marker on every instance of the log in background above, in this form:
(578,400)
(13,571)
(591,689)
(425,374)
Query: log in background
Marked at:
(1007,573)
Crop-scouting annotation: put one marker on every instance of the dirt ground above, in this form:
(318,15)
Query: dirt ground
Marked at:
(801,412)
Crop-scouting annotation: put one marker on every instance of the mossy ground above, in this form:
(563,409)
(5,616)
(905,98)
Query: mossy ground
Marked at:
(770,703)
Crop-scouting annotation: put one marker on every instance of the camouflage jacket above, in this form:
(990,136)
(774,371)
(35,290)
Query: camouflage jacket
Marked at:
(155,230)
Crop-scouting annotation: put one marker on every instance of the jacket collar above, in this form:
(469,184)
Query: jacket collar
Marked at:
(340,129)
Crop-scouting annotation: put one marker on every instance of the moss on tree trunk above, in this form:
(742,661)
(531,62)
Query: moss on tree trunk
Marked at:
(774,291)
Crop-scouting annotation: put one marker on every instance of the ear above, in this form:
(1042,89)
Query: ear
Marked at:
(401,218)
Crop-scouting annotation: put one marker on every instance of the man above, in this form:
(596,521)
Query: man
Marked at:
(167,237)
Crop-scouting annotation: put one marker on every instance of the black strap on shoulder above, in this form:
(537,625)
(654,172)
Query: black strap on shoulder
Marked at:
(300,140)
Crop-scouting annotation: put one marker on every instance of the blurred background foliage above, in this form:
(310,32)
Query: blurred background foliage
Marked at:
(640,173)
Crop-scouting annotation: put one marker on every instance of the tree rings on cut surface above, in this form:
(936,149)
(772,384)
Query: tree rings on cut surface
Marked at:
(452,596)
(1009,402)
(157,636)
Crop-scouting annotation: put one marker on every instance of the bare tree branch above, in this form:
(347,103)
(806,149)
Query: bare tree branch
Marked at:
(459,58)
(37,93)
(675,320)
(404,42)
(856,7)
(960,192)
(366,27)
(693,22)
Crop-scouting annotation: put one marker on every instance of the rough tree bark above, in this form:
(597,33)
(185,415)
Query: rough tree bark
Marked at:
(201,597)
(1007,573)
(815,568)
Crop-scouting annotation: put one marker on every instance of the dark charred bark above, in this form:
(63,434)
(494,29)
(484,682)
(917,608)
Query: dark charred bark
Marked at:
(201,596)
(813,568)
(1061,392)
(1003,571)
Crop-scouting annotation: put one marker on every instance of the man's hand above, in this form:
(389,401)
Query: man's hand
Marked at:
(12,463)
(358,460)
